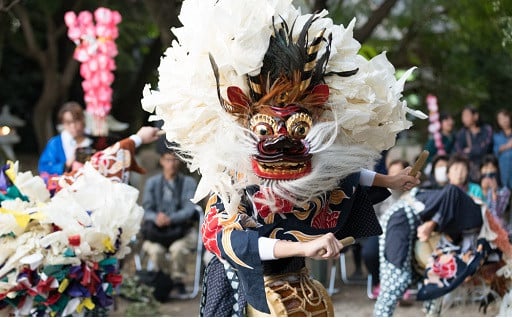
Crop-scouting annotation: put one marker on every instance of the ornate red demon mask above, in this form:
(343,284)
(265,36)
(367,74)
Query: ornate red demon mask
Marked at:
(285,100)
(281,128)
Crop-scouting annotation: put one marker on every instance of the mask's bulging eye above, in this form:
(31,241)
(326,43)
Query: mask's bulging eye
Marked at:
(298,125)
(263,130)
(263,125)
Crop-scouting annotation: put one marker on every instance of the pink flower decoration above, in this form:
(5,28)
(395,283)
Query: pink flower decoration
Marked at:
(435,125)
(95,49)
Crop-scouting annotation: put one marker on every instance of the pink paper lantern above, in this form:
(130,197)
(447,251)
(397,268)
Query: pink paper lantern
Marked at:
(435,125)
(95,49)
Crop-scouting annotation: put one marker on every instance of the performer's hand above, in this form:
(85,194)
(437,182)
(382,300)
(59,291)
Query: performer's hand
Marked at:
(324,247)
(148,134)
(424,230)
(403,181)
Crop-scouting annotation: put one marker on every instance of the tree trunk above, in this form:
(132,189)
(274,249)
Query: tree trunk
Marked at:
(128,108)
(165,15)
(55,84)
(319,5)
(382,12)
(43,111)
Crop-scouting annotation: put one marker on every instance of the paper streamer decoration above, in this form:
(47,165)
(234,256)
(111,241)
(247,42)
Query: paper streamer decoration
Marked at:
(59,255)
(435,125)
(95,50)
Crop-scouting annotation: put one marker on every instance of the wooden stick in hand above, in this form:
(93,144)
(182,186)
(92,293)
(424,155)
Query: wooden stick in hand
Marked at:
(349,240)
(418,165)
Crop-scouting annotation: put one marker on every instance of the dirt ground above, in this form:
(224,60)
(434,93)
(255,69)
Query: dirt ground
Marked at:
(349,300)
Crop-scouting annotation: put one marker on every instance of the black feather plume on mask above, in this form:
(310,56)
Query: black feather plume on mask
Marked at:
(285,57)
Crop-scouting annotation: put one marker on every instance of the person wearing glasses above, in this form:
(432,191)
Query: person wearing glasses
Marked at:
(496,195)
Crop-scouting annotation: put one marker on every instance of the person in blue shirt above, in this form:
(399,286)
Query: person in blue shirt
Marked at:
(503,146)
(59,154)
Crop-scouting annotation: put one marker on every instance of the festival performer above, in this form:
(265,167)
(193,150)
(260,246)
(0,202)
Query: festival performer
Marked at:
(280,115)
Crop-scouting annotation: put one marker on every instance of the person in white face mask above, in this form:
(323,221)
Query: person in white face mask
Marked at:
(441,175)
(438,177)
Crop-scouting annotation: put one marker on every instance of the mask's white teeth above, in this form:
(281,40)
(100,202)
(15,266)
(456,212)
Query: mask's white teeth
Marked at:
(282,167)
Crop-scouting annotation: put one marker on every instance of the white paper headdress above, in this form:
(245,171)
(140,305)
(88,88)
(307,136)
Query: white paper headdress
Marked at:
(363,116)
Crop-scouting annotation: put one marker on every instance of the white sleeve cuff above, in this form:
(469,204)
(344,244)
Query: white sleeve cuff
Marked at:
(366,177)
(136,139)
(266,248)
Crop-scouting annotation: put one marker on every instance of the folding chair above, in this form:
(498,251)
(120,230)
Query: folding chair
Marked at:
(199,257)
(138,257)
(344,275)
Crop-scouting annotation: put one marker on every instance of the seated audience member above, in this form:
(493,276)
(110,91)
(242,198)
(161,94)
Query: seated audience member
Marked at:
(459,175)
(59,154)
(169,219)
(438,176)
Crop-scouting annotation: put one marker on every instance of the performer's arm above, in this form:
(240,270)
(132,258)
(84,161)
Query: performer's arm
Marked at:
(401,181)
(324,247)
(145,135)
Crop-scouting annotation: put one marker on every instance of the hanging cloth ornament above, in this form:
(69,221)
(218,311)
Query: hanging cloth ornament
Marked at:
(435,125)
(95,50)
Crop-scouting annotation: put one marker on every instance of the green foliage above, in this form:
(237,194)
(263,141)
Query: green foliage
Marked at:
(140,297)
(469,61)
(368,51)
(463,49)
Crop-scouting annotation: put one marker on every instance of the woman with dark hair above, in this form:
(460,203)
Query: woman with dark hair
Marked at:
(447,138)
(59,154)
(503,146)
(496,195)
(474,140)
(459,175)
